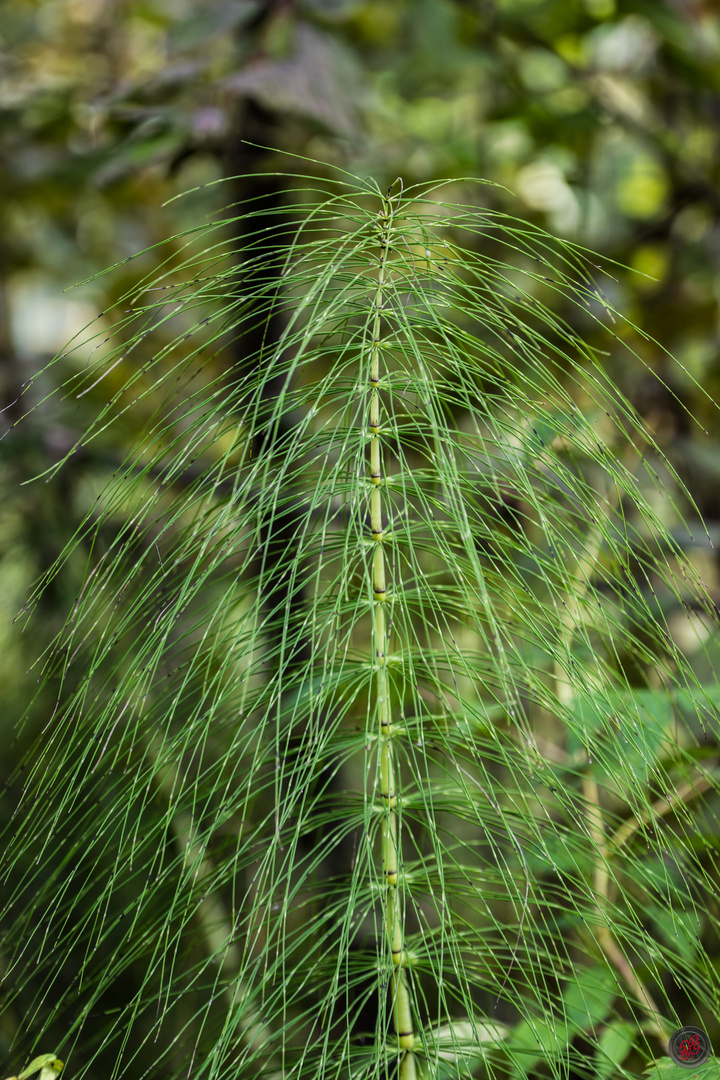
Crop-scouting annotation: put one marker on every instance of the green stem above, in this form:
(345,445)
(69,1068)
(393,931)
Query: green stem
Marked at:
(402,1013)
(571,618)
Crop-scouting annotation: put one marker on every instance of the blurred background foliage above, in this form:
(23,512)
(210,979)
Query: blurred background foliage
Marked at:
(600,119)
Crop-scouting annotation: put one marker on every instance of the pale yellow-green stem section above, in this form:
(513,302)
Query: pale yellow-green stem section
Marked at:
(571,619)
(402,1015)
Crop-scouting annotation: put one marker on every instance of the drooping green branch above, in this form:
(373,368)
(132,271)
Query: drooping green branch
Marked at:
(218,932)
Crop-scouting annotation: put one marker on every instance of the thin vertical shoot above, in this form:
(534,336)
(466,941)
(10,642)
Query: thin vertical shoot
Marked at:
(402,1015)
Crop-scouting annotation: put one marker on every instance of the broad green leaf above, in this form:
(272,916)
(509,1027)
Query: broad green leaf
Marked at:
(626,733)
(614,1045)
(532,1041)
(48,1066)
(664,1068)
(463,1046)
(587,1003)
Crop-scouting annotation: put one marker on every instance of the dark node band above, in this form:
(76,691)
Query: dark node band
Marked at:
(379,592)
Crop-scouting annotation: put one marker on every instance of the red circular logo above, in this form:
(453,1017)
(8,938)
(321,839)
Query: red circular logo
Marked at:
(689,1047)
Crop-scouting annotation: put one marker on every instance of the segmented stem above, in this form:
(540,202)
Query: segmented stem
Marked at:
(402,1015)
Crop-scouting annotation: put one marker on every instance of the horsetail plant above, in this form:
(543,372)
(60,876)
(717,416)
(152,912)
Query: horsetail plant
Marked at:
(375,750)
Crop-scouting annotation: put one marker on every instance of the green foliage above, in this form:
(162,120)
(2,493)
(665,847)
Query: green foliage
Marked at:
(48,1065)
(666,1069)
(386,590)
